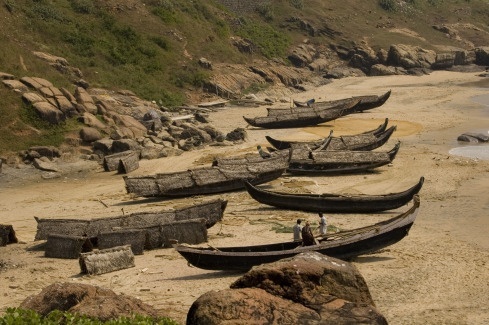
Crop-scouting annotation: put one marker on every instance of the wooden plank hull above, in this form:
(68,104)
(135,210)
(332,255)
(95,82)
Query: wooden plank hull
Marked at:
(342,245)
(359,142)
(302,119)
(335,203)
(338,162)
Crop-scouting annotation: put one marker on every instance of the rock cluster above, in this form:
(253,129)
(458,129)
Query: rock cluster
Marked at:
(308,288)
(112,121)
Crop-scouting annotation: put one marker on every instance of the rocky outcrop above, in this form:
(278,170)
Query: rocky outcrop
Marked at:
(308,288)
(83,299)
(482,56)
(409,57)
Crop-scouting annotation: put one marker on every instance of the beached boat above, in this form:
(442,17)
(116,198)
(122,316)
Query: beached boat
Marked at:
(335,203)
(343,245)
(359,142)
(211,211)
(204,180)
(309,118)
(366,102)
(304,161)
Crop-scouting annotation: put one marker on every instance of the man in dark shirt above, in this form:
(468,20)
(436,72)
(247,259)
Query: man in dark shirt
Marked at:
(307,236)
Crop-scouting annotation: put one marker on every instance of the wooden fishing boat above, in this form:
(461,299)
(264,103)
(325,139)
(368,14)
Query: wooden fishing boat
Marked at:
(309,118)
(343,245)
(366,102)
(335,203)
(204,180)
(359,142)
(304,161)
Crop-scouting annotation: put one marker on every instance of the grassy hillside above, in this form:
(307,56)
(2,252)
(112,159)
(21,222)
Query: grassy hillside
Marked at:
(152,47)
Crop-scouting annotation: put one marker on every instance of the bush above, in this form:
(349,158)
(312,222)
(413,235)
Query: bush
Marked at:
(15,316)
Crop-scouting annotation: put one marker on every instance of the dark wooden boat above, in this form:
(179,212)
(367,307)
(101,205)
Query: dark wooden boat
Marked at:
(304,161)
(334,203)
(365,102)
(359,142)
(204,180)
(309,118)
(343,245)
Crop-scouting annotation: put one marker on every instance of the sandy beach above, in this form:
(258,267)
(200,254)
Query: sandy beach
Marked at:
(438,274)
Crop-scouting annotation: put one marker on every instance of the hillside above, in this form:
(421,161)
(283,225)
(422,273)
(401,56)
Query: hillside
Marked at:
(153,48)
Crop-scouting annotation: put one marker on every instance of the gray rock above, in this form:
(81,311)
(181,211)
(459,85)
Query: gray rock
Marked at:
(90,134)
(49,112)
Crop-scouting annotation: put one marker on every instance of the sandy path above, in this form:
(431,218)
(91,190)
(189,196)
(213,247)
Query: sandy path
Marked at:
(438,274)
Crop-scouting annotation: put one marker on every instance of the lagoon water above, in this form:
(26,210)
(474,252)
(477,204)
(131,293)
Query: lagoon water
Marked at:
(479,151)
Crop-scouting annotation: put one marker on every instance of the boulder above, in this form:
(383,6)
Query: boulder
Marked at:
(238,134)
(103,145)
(248,306)
(46,151)
(408,56)
(90,134)
(91,301)
(383,70)
(45,165)
(15,85)
(482,55)
(309,288)
(124,145)
(91,120)
(32,98)
(49,112)
(309,278)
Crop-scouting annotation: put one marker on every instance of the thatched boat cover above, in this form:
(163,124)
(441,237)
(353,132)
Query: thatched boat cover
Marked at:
(338,157)
(7,234)
(350,157)
(153,239)
(111,162)
(128,163)
(69,227)
(63,246)
(212,211)
(142,185)
(106,260)
(188,231)
(133,237)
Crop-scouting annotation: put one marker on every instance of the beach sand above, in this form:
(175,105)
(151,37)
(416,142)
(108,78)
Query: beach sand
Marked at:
(438,274)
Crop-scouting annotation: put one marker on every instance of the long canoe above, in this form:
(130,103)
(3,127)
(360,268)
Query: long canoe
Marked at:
(366,102)
(360,142)
(335,203)
(345,245)
(303,161)
(310,118)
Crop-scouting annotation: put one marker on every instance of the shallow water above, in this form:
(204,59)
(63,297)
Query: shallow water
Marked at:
(475,152)
(479,151)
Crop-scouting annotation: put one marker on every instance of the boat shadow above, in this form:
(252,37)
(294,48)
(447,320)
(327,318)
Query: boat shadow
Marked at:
(142,201)
(210,275)
(371,259)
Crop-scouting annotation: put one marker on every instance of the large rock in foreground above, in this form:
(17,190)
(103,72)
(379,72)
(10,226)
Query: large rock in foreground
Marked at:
(84,299)
(308,288)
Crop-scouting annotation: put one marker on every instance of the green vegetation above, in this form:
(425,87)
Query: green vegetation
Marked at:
(152,49)
(17,316)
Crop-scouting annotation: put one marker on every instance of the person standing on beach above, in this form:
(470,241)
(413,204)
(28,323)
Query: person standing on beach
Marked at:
(307,236)
(323,224)
(297,230)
